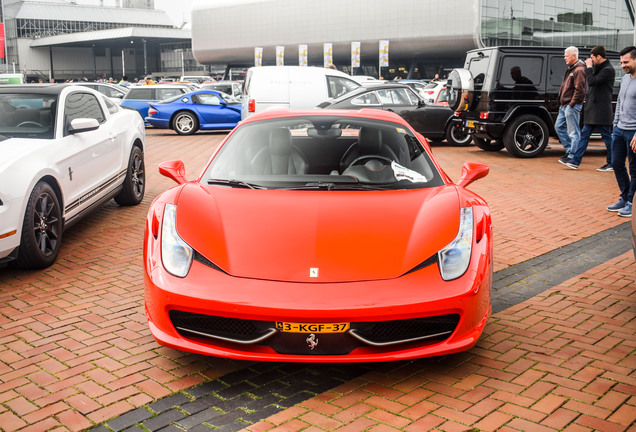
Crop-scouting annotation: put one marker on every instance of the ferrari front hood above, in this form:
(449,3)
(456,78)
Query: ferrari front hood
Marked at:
(317,236)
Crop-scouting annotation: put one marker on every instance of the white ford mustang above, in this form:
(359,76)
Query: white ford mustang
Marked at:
(64,150)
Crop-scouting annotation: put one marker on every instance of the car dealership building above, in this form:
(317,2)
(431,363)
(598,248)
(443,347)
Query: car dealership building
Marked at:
(103,38)
(424,37)
(91,38)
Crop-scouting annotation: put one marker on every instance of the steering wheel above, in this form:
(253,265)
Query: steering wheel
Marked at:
(364,159)
(29,122)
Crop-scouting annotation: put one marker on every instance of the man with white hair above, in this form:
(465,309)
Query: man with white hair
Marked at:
(571,97)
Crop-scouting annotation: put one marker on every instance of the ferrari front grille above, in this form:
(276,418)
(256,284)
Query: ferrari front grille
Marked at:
(382,333)
(377,333)
(222,328)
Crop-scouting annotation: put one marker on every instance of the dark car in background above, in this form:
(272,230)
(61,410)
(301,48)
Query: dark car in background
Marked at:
(508,96)
(431,120)
(138,97)
(114,92)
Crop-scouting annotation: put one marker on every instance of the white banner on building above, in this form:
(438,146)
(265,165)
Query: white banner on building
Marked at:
(302,55)
(258,56)
(280,55)
(328,54)
(384,53)
(355,54)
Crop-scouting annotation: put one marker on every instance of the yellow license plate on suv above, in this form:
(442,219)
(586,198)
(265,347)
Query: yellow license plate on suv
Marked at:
(290,327)
(470,123)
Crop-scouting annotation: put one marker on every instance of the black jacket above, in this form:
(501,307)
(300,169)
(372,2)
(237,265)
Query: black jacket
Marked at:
(598,100)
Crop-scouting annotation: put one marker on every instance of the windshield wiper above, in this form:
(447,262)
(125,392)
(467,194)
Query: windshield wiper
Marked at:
(233,183)
(335,186)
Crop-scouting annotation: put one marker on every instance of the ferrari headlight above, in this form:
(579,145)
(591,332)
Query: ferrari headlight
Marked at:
(175,253)
(454,258)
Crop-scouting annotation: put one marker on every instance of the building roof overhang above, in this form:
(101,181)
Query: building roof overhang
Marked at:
(119,36)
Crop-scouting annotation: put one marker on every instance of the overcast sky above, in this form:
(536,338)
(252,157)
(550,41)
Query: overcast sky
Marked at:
(179,10)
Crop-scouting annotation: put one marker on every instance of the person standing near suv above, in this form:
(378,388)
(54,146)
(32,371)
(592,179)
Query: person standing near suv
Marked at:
(624,143)
(571,97)
(598,113)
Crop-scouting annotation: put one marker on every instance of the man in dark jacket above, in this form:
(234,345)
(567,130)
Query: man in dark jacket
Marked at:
(598,113)
(571,97)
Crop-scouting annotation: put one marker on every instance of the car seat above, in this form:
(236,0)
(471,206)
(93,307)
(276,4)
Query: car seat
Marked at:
(280,156)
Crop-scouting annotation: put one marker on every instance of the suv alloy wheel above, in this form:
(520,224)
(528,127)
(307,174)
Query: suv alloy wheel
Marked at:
(526,136)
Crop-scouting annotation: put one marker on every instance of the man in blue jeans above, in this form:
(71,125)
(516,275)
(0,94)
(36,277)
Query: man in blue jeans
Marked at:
(624,143)
(598,111)
(571,97)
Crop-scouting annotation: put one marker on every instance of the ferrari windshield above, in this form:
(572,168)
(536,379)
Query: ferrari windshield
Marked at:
(322,152)
(27,115)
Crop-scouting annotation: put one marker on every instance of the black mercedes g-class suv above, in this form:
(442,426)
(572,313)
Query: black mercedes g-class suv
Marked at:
(508,96)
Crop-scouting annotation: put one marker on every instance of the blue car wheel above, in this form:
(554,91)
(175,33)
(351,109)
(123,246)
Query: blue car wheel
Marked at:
(185,123)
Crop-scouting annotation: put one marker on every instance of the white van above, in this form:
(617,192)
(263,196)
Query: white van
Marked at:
(292,87)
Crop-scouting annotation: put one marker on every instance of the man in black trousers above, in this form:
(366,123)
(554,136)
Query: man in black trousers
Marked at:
(598,113)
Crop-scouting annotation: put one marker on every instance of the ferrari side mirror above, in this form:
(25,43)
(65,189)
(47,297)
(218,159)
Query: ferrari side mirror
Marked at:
(472,171)
(174,170)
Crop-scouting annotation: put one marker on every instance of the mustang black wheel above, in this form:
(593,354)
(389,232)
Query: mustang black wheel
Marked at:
(185,123)
(135,182)
(41,229)
(487,144)
(526,137)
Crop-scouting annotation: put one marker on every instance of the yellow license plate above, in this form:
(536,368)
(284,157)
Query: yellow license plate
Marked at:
(470,123)
(290,327)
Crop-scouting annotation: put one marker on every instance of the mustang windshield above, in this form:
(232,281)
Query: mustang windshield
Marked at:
(320,152)
(27,115)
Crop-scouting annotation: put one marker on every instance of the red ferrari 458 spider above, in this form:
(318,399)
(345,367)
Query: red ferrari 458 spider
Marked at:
(319,236)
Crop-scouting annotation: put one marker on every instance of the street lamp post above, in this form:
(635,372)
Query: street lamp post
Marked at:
(94,64)
(182,62)
(145,59)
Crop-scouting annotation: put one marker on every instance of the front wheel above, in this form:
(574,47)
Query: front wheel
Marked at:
(134,186)
(457,136)
(526,136)
(41,229)
(488,144)
(185,123)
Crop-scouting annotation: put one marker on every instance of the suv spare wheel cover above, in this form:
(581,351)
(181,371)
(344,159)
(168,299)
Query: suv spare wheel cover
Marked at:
(460,86)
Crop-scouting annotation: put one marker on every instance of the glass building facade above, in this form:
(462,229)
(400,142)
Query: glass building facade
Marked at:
(582,23)
(36,28)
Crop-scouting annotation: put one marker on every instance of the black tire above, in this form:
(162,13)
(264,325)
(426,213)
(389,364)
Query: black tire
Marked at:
(457,136)
(185,123)
(488,144)
(41,229)
(526,136)
(135,182)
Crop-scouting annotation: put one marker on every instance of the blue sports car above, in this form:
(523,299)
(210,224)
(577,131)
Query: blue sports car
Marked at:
(201,109)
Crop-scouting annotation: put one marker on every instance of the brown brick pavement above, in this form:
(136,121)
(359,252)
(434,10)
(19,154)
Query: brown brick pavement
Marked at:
(75,349)
(562,360)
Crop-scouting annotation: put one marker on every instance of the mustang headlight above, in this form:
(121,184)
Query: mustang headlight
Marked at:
(454,258)
(175,253)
